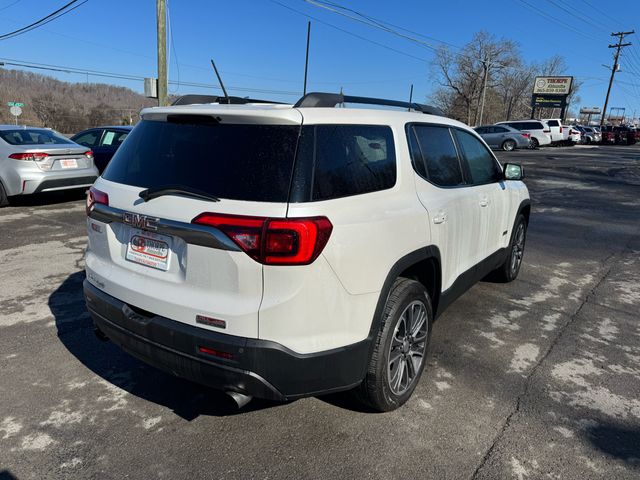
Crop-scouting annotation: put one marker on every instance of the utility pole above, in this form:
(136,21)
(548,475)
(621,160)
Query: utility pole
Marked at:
(161,19)
(619,46)
(486,64)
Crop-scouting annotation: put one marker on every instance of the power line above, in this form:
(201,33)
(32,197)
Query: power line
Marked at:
(385,23)
(10,5)
(44,20)
(370,23)
(554,19)
(602,12)
(578,15)
(123,76)
(349,32)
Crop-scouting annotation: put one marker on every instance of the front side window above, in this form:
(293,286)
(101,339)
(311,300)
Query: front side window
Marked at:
(482,166)
(439,155)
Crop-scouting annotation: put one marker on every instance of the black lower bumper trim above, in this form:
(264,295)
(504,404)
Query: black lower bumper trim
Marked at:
(65,182)
(259,368)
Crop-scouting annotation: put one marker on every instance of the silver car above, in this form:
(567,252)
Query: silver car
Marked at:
(589,134)
(34,160)
(504,137)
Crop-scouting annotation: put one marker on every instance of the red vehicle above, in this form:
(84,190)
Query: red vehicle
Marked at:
(620,135)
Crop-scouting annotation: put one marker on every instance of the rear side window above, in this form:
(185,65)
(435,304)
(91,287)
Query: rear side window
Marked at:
(238,162)
(553,123)
(439,155)
(337,161)
(482,166)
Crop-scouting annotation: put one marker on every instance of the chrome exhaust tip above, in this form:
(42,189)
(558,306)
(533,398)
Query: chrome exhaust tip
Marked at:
(240,399)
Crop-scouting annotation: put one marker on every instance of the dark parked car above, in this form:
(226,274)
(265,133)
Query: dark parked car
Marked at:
(104,141)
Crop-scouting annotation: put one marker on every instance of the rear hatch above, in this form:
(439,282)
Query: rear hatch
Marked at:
(173,253)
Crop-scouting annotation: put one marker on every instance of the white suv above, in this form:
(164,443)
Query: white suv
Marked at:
(283,251)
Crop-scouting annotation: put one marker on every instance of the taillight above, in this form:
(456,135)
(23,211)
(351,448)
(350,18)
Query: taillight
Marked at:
(273,241)
(96,196)
(560,129)
(89,154)
(526,135)
(33,156)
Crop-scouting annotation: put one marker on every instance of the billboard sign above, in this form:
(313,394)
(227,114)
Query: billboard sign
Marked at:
(590,111)
(552,85)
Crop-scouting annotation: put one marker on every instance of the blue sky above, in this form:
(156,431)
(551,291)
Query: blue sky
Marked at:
(260,44)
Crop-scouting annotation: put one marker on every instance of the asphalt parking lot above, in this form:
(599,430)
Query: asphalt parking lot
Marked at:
(539,378)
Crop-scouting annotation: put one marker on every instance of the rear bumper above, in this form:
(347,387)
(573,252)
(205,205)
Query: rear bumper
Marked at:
(258,368)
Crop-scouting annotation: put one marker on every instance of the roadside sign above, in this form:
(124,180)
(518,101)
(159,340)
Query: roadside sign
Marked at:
(16,111)
(15,104)
(552,85)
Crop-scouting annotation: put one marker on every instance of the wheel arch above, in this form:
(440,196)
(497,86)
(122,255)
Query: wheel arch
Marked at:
(524,209)
(422,265)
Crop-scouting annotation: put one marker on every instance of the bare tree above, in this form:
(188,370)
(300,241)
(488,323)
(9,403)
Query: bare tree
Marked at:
(469,73)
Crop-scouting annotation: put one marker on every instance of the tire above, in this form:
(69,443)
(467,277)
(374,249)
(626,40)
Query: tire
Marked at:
(4,200)
(389,383)
(508,145)
(534,143)
(508,271)
(588,141)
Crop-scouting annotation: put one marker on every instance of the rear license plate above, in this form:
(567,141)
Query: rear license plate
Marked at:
(69,163)
(149,249)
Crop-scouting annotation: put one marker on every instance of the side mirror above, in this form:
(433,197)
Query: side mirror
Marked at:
(513,171)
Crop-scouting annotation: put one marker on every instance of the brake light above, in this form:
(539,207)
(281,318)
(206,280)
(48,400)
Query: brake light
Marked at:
(89,154)
(33,156)
(560,129)
(526,135)
(273,241)
(96,196)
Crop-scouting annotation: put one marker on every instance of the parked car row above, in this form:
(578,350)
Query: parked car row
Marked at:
(34,160)
(512,134)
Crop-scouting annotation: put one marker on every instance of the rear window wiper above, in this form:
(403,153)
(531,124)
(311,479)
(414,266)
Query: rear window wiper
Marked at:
(155,192)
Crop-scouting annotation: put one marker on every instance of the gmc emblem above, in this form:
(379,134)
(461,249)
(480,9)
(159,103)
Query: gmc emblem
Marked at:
(140,221)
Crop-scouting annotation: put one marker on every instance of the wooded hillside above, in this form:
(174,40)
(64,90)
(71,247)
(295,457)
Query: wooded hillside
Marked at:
(67,107)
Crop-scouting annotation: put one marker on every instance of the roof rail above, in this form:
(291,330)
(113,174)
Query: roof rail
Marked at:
(330,100)
(197,98)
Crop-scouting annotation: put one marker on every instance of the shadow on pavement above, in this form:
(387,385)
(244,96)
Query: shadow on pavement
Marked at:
(186,399)
(7,475)
(48,198)
(617,441)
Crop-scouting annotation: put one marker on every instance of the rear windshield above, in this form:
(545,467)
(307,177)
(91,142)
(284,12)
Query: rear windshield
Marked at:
(256,162)
(237,162)
(33,137)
